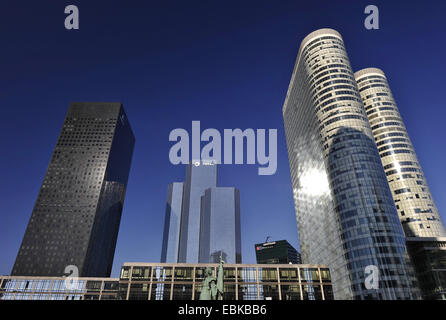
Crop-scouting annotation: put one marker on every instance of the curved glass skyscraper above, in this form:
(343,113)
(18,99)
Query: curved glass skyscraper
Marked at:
(344,207)
(413,200)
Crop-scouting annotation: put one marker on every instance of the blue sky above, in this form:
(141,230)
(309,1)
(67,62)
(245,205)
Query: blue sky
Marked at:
(225,63)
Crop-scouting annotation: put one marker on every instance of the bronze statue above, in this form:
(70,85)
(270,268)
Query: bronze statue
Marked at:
(212,288)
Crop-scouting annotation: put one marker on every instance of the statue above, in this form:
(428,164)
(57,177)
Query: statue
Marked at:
(212,288)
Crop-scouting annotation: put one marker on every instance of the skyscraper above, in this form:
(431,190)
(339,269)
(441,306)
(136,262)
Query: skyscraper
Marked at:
(220,233)
(419,216)
(76,217)
(172,223)
(417,211)
(200,175)
(202,220)
(277,252)
(344,207)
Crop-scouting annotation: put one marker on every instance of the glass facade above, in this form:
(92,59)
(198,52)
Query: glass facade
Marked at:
(202,220)
(276,252)
(172,223)
(417,211)
(163,281)
(199,177)
(29,288)
(77,213)
(344,208)
(241,282)
(429,258)
(220,226)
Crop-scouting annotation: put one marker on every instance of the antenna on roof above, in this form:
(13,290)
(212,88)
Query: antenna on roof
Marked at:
(267,238)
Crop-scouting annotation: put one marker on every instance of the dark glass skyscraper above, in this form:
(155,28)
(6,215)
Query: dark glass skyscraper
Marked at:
(76,217)
(277,252)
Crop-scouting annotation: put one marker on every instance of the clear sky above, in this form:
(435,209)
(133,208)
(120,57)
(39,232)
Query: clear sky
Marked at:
(225,63)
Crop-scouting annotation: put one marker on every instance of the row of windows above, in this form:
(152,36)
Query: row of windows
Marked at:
(390,172)
(349,116)
(393,146)
(376,103)
(370,77)
(381,109)
(386,124)
(318,42)
(320,106)
(391,152)
(392,140)
(346,71)
(245,274)
(403,190)
(319,94)
(333,76)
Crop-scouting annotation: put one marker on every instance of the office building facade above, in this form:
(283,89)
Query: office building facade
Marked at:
(172,223)
(200,175)
(344,207)
(202,220)
(58,288)
(76,217)
(277,252)
(220,231)
(178,281)
(419,216)
(428,255)
(416,208)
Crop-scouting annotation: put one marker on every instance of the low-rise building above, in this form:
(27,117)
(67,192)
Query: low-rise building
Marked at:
(178,281)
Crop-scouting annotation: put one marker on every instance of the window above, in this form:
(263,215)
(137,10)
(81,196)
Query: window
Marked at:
(290,292)
(288,275)
(182,292)
(183,274)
